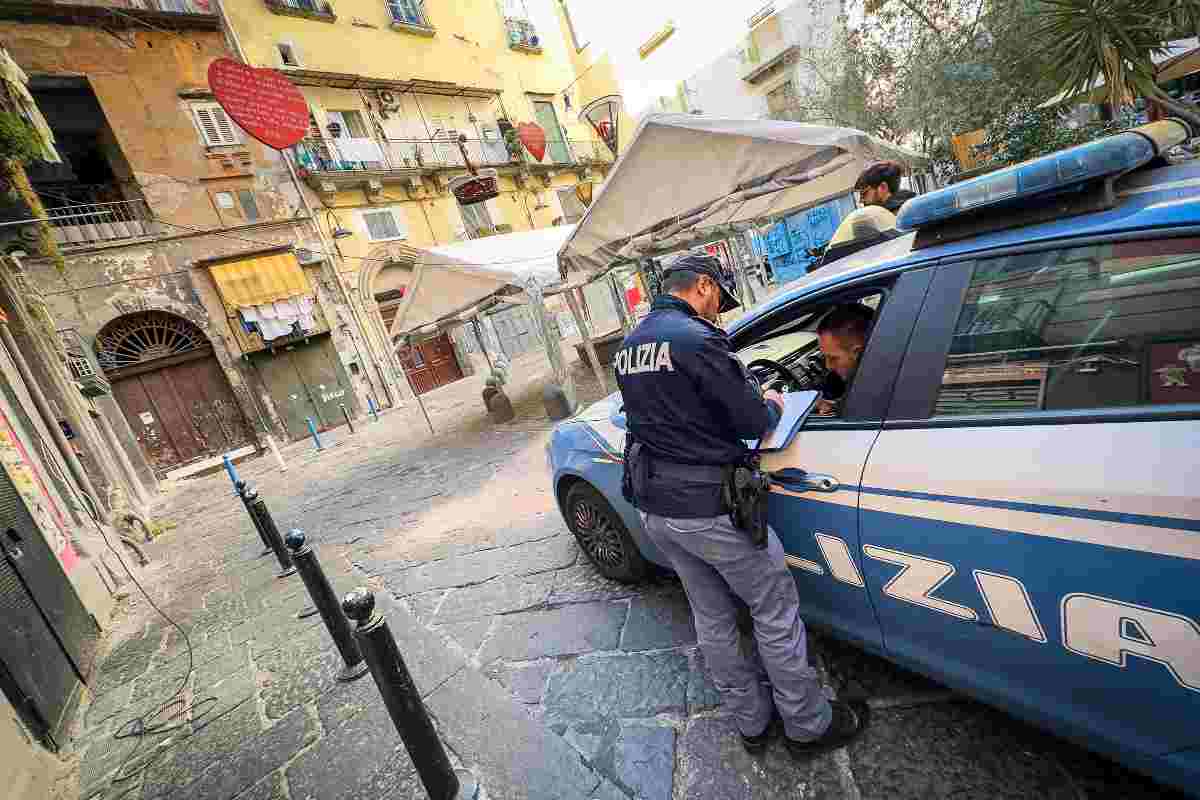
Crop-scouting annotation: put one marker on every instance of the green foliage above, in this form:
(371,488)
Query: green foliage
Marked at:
(1027,131)
(18,140)
(920,71)
(1116,39)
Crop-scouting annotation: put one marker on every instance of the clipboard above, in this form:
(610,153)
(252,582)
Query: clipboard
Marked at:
(796,408)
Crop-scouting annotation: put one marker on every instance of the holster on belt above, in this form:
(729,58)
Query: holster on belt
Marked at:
(636,472)
(745,493)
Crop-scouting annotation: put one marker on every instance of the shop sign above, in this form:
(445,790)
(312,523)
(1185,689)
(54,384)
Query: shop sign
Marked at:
(262,101)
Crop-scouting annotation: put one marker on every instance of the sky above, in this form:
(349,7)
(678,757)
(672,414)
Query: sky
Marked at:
(703,31)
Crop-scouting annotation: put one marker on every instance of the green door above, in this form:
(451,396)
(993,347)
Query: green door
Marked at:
(556,144)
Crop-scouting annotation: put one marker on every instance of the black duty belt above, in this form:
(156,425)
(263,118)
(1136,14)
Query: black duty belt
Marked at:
(687,472)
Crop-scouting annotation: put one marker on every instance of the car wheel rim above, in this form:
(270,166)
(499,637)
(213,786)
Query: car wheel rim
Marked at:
(598,535)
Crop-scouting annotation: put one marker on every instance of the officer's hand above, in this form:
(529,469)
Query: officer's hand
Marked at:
(775,397)
(825,408)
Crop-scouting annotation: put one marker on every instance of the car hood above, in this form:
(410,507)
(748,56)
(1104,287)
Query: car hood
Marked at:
(610,410)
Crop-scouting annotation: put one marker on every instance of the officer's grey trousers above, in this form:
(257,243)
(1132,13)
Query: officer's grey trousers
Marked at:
(713,559)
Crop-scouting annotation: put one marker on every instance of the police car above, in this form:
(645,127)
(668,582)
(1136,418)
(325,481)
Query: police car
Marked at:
(1009,498)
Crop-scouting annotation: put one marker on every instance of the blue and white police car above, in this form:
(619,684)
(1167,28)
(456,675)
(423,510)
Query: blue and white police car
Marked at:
(1009,499)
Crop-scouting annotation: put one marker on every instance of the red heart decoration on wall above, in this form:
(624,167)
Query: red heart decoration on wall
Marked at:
(534,139)
(262,101)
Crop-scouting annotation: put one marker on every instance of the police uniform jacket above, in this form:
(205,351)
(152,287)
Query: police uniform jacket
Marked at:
(689,402)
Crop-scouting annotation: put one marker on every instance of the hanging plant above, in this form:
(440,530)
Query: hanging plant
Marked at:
(18,140)
(513,142)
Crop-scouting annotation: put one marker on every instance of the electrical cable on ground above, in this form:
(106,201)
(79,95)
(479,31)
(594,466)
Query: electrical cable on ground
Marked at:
(149,724)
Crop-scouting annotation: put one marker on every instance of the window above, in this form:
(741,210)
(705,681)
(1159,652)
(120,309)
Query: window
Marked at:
(216,128)
(1092,327)
(477,220)
(408,12)
(782,98)
(573,210)
(249,204)
(287,54)
(384,224)
(556,145)
(350,124)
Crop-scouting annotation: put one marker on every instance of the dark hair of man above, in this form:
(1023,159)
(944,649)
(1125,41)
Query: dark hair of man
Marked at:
(681,280)
(848,319)
(888,172)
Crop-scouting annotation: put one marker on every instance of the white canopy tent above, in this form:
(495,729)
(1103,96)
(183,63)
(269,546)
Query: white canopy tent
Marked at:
(686,179)
(451,284)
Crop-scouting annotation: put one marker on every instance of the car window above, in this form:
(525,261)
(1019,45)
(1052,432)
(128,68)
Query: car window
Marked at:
(1091,327)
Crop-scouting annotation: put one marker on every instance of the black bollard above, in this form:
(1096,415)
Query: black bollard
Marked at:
(404,704)
(240,487)
(346,414)
(258,507)
(305,560)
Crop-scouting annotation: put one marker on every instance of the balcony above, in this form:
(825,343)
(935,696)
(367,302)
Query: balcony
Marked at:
(319,10)
(119,14)
(89,224)
(396,160)
(409,16)
(522,35)
(760,68)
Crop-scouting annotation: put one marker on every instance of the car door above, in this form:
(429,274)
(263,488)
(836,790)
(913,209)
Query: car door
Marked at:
(1030,512)
(813,506)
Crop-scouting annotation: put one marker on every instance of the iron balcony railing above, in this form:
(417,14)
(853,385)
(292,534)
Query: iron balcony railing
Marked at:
(177,6)
(96,223)
(328,155)
(315,7)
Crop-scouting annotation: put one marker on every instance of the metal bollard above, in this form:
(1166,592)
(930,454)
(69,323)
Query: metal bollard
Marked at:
(233,476)
(305,560)
(371,407)
(312,429)
(404,704)
(258,507)
(240,487)
(346,414)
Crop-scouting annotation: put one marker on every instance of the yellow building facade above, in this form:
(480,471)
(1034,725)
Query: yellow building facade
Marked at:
(408,100)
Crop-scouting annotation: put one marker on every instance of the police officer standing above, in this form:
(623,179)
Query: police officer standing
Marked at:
(690,404)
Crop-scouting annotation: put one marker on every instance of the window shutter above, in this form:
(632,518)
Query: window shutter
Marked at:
(382,225)
(216,128)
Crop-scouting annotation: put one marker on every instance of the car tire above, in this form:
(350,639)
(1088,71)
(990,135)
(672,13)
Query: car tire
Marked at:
(602,536)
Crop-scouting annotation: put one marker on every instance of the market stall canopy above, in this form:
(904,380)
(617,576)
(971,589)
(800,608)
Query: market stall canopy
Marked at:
(685,178)
(452,281)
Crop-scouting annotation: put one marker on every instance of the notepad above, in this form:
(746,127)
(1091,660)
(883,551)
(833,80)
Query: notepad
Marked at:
(796,408)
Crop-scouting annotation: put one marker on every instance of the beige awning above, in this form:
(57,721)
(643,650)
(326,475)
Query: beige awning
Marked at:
(684,177)
(451,279)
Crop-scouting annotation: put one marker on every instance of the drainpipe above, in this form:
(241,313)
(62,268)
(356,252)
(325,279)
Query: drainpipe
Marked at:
(135,483)
(326,246)
(51,421)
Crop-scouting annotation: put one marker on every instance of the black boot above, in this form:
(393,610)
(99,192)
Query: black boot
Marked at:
(850,719)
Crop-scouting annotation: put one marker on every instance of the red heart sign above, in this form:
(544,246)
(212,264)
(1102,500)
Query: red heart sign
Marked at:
(262,101)
(534,139)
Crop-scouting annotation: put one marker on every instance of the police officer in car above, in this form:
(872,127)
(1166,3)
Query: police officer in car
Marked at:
(690,404)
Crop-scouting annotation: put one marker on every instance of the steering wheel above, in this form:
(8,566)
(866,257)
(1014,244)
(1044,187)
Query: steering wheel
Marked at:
(777,368)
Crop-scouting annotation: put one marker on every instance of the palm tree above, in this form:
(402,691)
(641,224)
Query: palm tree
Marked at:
(1116,39)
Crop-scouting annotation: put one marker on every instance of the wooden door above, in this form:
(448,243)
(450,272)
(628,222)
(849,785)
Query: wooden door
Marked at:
(182,411)
(430,364)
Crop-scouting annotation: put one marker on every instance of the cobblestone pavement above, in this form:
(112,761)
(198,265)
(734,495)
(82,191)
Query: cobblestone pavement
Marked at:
(546,680)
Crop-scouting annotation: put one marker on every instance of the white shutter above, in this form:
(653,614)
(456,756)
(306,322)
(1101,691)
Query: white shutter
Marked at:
(384,224)
(216,128)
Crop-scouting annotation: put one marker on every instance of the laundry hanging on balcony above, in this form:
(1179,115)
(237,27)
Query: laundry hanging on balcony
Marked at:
(281,318)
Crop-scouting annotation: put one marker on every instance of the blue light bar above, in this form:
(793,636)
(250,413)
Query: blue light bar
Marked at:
(1102,158)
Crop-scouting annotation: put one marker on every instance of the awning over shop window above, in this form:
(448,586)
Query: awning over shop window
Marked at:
(259,280)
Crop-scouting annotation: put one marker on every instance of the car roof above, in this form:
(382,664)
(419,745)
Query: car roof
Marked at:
(1147,199)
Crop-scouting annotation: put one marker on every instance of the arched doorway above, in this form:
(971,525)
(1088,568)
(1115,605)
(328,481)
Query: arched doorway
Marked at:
(171,389)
